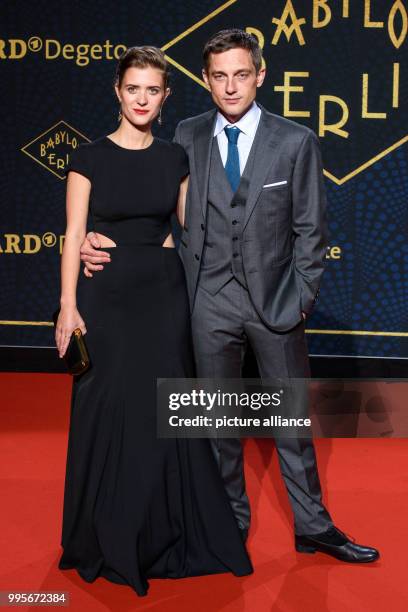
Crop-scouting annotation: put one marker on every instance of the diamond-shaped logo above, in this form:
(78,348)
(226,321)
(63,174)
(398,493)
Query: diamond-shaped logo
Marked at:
(51,149)
(337,67)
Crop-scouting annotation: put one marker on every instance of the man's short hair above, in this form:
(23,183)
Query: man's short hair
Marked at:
(233,39)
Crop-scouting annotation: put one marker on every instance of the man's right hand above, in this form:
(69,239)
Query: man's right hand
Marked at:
(92,258)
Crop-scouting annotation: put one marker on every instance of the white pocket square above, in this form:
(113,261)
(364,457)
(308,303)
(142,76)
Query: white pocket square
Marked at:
(275,184)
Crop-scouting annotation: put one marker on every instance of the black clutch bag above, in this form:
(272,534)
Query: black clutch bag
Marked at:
(76,356)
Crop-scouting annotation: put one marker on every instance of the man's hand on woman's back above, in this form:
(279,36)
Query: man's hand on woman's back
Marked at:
(92,257)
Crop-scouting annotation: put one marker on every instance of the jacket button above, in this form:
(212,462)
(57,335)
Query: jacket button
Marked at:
(235,254)
(235,238)
(197,257)
(234,222)
(233,205)
(203,226)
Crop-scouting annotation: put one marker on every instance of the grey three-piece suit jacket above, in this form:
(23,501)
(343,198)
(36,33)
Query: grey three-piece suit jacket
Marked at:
(281,238)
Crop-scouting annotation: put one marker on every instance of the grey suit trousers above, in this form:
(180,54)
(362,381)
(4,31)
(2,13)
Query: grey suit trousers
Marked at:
(222,326)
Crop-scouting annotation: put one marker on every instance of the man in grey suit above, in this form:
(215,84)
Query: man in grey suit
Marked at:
(253,246)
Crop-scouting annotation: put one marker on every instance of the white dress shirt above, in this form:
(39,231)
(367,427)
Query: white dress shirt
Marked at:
(248,125)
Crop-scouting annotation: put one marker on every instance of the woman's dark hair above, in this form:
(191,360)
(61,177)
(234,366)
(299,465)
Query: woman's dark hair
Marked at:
(233,39)
(142,57)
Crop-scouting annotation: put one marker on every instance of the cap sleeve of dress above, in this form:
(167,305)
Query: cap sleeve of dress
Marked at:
(183,166)
(80,161)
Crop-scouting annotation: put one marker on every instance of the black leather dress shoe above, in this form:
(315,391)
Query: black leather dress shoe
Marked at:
(335,543)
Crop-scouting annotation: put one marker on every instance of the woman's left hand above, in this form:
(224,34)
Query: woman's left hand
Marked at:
(69,319)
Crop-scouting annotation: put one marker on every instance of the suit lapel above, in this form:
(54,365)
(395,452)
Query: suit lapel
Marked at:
(203,137)
(266,140)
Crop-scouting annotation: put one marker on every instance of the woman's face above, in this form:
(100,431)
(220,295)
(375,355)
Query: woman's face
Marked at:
(141,95)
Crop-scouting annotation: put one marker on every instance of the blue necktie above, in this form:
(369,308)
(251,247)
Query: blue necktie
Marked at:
(232,165)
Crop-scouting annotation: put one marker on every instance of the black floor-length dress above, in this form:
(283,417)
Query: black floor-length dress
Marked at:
(138,507)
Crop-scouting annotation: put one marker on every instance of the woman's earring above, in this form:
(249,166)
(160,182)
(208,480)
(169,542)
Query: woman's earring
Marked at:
(159,119)
(120,115)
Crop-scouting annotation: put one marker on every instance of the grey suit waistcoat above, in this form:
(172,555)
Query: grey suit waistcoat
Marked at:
(222,253)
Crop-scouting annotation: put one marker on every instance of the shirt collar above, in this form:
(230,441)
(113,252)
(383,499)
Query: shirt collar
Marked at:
(247,124)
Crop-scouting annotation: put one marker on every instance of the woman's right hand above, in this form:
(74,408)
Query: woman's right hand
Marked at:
(69,319)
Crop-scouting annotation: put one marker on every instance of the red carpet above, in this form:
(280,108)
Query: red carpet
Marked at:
(365,483)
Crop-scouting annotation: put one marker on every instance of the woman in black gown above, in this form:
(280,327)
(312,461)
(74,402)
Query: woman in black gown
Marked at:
(135,507)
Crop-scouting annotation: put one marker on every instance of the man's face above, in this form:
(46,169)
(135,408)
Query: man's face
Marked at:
(233,82)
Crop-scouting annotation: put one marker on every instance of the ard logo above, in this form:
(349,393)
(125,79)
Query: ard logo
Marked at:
(338,67)
(51,149)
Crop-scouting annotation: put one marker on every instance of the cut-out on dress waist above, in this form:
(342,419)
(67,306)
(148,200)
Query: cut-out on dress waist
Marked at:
(135,232)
